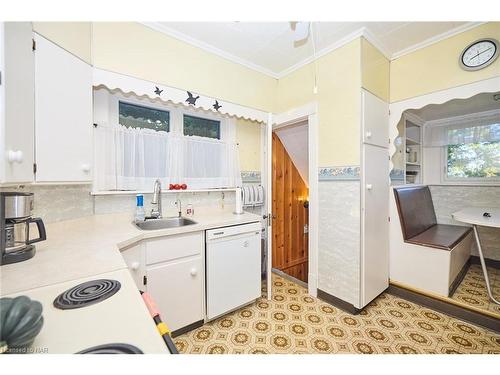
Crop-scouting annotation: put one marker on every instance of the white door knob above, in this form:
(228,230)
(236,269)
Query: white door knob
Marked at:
(86,168)
(368,134)
(15,156)
(193,272)
(134,266)
(369,186)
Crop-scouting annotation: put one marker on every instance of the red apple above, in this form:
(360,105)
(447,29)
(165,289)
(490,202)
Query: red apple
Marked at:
(184,186)
(171,187)
(177,186)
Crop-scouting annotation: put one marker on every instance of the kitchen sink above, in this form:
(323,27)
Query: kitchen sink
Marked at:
(173,222)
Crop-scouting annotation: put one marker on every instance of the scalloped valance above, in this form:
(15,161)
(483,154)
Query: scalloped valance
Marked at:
(140,87)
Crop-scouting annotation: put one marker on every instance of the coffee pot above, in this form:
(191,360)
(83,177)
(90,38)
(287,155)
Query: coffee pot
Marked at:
(15,222)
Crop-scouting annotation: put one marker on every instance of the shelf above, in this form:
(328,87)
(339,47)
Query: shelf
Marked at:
(412,142)
(414,164)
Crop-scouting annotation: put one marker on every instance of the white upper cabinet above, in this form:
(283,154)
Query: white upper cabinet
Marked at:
(63,115)
(375,120)
(16,102)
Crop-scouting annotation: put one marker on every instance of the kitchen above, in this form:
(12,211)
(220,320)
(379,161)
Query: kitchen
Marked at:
(138,177)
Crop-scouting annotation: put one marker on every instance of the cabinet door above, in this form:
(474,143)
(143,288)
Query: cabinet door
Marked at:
(375,120)
(63,114)
(374,223)
(17,102)
(177,289)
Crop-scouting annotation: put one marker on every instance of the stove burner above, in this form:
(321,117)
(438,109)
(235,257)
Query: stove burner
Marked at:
(86,294)
(112,349)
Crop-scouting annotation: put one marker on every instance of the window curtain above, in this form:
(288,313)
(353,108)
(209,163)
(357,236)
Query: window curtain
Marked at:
(452,134)
(133,158)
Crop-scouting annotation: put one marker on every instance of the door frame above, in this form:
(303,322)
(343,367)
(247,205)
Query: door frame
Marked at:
(309,113)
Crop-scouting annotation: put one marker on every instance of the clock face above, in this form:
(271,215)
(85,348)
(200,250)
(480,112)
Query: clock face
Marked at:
(479,54)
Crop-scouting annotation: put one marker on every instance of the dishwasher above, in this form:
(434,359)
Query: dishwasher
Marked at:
(233,267)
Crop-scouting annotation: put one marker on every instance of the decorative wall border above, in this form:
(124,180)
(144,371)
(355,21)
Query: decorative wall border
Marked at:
(345,173)
(251,176)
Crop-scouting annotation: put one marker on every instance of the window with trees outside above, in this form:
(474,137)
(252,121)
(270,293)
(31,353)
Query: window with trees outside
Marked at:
(475,160)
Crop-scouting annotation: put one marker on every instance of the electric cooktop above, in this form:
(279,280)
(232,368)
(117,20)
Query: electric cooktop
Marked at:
(86,294)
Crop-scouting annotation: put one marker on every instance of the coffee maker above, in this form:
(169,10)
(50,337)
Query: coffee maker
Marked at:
(15,219)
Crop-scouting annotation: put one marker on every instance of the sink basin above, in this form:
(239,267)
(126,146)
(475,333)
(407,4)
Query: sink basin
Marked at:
(173,222)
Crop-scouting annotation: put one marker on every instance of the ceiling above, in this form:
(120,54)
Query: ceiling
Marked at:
(458,107)
(269,46)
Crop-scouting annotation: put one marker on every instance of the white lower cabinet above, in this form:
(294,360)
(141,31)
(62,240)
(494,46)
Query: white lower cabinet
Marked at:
(177,289)
(172,270)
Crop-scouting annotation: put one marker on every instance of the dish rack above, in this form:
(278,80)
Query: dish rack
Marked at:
(252,196)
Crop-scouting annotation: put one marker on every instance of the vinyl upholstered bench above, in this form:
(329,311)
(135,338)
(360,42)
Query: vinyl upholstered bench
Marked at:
(434,254)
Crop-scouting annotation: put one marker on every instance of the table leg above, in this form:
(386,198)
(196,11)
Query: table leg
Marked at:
(483,265)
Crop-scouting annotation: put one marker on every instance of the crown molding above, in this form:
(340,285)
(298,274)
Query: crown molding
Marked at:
(157,26)
(361,32)
(478,117)
(436,38)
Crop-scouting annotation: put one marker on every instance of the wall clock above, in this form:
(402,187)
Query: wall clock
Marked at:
(479,55)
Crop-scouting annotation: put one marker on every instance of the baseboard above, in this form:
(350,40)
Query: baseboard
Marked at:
(288,277)
(188,328)
(460,277)
(446,307)
(339,303)
(493,263)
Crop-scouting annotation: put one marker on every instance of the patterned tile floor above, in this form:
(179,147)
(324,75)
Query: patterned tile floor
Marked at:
(472,290)
(294,322)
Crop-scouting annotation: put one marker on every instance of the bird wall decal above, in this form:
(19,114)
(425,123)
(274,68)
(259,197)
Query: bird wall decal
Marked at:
(158,91)
(191,99)
(217,105)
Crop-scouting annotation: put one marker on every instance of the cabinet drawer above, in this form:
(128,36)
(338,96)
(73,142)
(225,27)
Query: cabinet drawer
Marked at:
(173,247)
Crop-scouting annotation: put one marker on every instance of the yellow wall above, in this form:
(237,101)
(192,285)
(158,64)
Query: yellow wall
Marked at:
(375,70)
(339,83)
(134,49)
(75,37)
(248,139)
(436,67)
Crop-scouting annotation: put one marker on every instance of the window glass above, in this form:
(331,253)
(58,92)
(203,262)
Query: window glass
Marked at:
(136,116)
(473,160)
(201,127)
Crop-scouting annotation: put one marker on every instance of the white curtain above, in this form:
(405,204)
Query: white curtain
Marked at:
(133,158)
(462,133)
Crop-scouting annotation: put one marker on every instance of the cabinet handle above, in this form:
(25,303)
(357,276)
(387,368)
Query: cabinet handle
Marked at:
(15,156)
(193,272)
(85,168)
(368,134)
(134,266)
(246,244)
(369,186)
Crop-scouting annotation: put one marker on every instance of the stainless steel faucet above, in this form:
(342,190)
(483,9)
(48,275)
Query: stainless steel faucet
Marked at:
(178,203)
(156,201)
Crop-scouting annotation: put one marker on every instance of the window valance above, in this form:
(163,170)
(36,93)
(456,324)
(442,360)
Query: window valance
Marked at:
(140,87)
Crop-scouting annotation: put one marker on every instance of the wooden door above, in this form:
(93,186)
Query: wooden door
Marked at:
(290,220)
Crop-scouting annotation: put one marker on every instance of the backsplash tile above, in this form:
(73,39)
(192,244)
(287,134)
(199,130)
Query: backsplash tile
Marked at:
(339,173)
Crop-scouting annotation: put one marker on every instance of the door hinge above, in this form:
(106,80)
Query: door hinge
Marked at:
(34,168)
(145,280)
(33,44)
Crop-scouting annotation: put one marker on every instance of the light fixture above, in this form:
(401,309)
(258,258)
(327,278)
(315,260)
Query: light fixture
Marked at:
(301,31)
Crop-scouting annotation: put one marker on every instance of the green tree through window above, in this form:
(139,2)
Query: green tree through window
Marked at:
(474,160)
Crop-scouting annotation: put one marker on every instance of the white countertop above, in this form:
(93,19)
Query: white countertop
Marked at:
(89,246)
(122,318)
(474,215)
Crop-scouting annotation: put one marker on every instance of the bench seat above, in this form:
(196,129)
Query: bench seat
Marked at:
(441,236)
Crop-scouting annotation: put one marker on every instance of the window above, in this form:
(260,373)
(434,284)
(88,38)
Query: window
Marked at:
(473,160)
(201,127)
(136,116)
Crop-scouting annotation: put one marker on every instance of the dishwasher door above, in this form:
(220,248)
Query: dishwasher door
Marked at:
(233,268)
